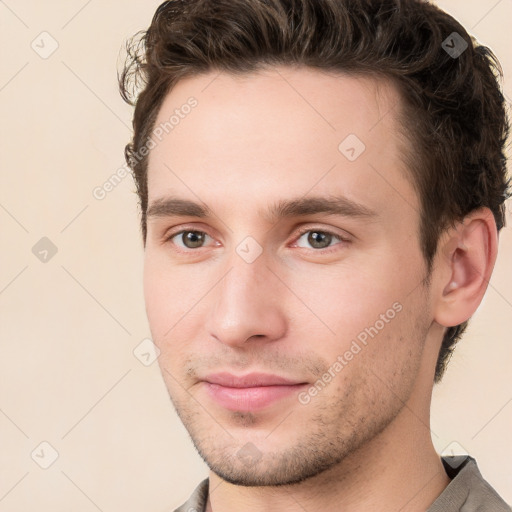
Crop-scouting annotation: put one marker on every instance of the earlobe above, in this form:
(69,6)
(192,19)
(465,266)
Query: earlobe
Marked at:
(464,266)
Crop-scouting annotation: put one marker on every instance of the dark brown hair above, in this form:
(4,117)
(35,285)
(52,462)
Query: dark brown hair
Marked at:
(454,110)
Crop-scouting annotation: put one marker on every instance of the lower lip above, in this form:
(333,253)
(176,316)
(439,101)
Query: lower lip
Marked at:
(249,399)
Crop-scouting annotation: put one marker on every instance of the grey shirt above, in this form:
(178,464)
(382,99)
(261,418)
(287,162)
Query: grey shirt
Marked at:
(467,491)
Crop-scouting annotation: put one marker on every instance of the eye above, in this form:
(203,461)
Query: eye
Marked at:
(318,239)
(188,239)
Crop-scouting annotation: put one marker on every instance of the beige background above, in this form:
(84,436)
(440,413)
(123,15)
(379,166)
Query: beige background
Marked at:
(69,326)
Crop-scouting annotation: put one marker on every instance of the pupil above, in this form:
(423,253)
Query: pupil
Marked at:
(193,239)
(319,240)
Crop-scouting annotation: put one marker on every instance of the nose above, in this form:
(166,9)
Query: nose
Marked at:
(247,305)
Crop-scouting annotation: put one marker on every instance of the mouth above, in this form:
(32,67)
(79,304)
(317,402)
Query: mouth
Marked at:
(252,392)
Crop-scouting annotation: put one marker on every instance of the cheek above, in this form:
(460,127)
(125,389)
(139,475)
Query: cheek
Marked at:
(379,371)
(165,295)
(156,295)
(172,295)
(346,299)
(164,308)
(371,324)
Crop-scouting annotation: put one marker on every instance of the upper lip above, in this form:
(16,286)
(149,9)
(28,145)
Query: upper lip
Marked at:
(248,381)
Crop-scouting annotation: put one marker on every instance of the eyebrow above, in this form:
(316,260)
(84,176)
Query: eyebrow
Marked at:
(333,205)
(174,206)
(298,207)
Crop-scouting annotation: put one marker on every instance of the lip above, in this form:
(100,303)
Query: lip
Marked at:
(251,392)
(250,380)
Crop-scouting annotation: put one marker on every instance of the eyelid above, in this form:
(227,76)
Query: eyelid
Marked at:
(172,233)
(307,229)
(301,231)
(176,230)
(343,239)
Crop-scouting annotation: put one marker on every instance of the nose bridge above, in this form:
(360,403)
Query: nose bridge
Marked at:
(245,287)
(245,303)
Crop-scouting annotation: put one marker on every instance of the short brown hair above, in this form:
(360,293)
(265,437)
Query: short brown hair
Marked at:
(454,108)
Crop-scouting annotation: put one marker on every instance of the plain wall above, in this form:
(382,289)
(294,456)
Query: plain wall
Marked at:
(69,325)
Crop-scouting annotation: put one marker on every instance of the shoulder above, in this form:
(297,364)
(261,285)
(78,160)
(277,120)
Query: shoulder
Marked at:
(468,491)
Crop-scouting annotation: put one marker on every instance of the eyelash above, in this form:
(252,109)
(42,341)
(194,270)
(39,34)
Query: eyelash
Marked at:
(327,249)
(303,231)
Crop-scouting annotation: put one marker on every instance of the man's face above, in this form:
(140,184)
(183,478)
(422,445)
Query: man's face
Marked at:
(332,301)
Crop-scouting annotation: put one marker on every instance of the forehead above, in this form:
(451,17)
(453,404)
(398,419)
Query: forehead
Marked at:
(279,131)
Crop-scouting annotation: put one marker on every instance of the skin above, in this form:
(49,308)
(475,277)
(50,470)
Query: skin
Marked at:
(363,442)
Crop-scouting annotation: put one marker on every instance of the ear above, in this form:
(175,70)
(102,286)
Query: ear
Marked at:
(465,261)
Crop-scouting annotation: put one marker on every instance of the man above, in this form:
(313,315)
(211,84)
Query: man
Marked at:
(321,185)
